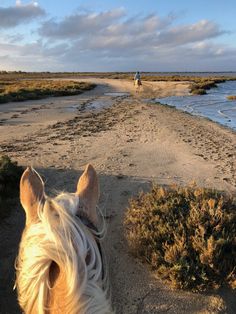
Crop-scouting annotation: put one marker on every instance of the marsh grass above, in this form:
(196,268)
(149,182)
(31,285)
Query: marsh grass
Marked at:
(231,97)
(198,84)
(146,76)
(200,87)
(187,235)
(197,91)
(10,175)
(20,90)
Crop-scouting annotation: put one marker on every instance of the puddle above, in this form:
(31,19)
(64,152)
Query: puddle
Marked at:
(73,108)
(98,104)
(117,94)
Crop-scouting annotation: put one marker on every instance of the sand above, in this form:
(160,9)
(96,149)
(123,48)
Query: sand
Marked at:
(131,142)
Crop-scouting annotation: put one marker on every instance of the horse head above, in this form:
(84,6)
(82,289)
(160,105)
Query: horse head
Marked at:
(60,267)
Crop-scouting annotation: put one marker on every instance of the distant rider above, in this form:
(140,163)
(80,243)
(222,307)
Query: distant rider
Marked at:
(137,76)
(137,80)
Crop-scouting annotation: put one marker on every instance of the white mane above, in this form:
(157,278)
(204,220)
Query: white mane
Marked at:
(60,236)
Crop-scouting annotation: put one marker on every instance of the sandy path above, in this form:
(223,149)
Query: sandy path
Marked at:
(130,143)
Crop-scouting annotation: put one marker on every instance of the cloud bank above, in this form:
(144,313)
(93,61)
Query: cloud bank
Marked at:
(114,41)
(19,14)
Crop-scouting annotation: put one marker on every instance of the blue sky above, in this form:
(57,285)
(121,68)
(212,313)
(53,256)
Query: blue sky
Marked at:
(122,35)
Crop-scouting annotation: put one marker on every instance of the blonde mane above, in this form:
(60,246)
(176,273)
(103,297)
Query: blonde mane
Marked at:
(60,236)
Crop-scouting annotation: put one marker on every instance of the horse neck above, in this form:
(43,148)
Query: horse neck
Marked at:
(57,298)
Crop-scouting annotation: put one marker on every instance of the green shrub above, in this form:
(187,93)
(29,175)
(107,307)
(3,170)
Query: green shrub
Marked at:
(188,235)
(10,175)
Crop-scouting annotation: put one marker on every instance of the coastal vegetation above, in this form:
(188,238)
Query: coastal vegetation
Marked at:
(187,235)
(20,90)
(200,87)
(231,97)
(48,84)
(10,174)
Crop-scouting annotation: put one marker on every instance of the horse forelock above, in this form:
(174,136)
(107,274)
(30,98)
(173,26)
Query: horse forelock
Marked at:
(60,237)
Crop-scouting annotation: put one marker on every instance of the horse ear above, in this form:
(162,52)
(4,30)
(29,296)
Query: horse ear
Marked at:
(31,194)
(88,191)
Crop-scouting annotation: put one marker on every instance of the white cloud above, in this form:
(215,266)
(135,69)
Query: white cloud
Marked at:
(80,24)
(199,31)
(113,41)
(112,30)
(19,14)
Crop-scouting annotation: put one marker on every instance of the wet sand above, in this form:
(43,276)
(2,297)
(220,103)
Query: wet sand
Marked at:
(131,143)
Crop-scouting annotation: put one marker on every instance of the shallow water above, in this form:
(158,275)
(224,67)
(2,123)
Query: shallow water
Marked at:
(117,94)
(73,108)
(98,104)
(214,105)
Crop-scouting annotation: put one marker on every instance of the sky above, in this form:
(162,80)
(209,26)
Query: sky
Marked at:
(118,35)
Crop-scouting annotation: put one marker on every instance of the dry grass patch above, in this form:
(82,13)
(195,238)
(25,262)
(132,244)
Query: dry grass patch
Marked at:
(20,90)
(231,97)
(188,236)
(200,87)
(197,91)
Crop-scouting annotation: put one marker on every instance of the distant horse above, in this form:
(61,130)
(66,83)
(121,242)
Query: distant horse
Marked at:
(137,84)
(60,266)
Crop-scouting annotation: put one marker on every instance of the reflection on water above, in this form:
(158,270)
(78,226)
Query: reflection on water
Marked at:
(214,105)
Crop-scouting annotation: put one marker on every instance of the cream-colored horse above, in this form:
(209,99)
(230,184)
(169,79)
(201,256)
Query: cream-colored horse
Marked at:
(60,266)
(137,85)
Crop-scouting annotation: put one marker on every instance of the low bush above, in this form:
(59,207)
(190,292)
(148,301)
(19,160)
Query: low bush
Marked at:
(207,85)
(10,175)
(197,91)
(200,87)
(37,89)
(231,97)
(188,236)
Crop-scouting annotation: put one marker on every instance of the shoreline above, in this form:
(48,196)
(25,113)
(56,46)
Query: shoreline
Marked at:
(131,144)
(224,127)
(198,121)
(214,105)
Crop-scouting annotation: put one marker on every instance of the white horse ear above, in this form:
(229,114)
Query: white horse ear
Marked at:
(31,194)
(88,191)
